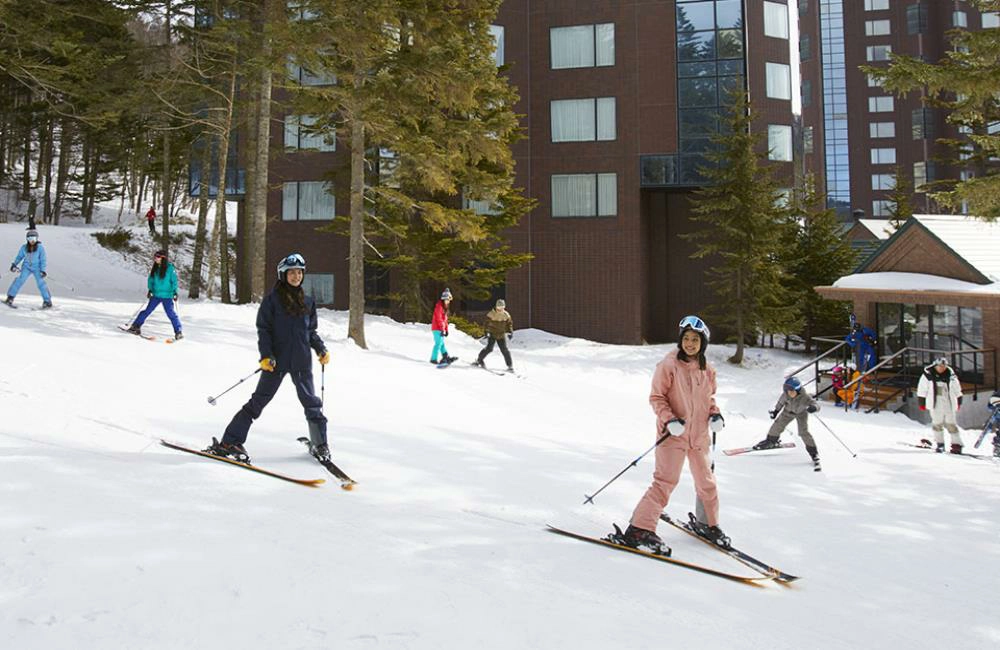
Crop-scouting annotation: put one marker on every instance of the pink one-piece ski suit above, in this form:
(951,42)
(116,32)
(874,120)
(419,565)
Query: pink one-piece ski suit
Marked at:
(681,390)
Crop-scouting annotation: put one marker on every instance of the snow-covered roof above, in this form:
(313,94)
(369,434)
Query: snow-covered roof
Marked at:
(895,280)
(975,240)
(881,228)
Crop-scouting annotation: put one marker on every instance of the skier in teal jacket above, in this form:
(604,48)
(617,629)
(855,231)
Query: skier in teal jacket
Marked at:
(162,290)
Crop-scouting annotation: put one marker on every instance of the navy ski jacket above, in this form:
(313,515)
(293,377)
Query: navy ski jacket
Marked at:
(286,338)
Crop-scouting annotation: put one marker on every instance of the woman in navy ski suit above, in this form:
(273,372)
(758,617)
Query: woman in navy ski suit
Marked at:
(286,330)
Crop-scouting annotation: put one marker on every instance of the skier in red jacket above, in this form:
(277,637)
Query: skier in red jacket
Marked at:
(439,327)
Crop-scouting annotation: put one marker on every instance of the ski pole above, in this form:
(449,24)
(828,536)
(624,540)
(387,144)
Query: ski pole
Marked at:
(322,385)
(211,400)
(132,318)
(590,498)
(854,455)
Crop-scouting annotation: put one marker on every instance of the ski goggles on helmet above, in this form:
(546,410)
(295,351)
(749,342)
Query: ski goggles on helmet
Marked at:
(293,261)
(695,323)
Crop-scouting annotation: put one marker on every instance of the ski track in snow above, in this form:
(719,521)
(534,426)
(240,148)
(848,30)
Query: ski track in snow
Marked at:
(108,539)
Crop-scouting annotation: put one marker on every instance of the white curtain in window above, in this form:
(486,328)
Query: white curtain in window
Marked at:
(497,32)
(317,141)
(289,201)
(775,20)
(607,195)
(291,131)
(779,81)
(574,195)
(606,129)
(572,47)
(319,286)
(315,203)
(605,38)
(779,142)
(573,120)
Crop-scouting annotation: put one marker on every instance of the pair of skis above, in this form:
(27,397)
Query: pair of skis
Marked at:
(947,452)
(346,482)
(767,572)
(144,336)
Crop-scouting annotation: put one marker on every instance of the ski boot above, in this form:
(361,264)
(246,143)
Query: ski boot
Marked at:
(640,539)
(9,301)
(768,443)
(233,452)
(956,448)
(814,454)
(178,335)
(47,305)
(939,448)
(996,449)
(510,369)
(320,452)
(479,363)
(713,534)
(135,329)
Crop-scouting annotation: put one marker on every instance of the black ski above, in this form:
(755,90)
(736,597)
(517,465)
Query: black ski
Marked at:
(346,482)
(260,470)
(747,450)
(993,422)
(735,553)
(755,581)
(947,452)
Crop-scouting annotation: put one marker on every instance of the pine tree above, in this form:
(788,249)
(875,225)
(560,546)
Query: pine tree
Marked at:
(900,198)
(965,82)
(818,255)
(745,227)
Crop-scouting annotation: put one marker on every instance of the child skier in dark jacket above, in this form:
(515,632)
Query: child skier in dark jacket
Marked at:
(794,404)
(286,330)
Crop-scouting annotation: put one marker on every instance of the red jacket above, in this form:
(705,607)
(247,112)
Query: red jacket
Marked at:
(151,215)
(440,320)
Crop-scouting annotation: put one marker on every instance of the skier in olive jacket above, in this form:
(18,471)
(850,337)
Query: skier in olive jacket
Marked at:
(794,404)
(499,325)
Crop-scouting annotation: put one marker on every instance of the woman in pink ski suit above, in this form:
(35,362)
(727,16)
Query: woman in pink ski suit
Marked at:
(683,398)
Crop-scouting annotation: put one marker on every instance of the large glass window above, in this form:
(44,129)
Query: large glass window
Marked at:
(319,286)
(876,5)
(878,52)
(883,181)
(881,104)
(916,18)
(300,135)
(497,32)
(775,20)
(584,195)
(884,156)
(307,77)
(307,201)
(881,208)
(877,28)
(582,46)
(923,123)
(779,81)
(991,19)
(959,19)
(583,120)
(779,142)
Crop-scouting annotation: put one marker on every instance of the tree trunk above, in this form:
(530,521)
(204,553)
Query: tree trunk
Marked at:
(26,168)
(737,357)
(62,171)
(356,273)
(47,196)
(85,185)
(199,235)
(258,182)
(165,215)
(220,199)
(43,138)
(244,227)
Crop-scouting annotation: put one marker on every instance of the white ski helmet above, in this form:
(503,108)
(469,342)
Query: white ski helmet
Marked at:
(995,400)
(293,261)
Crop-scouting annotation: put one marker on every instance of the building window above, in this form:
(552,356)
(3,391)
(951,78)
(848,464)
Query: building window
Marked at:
(916,19)
(876,5)
(882,129)
(584,195)
(991,19)
(923,173)
(803,7)
(306,77)
(779,142)
(807,93)
(805,47)
(959,19)
(877,28)
(883,181)
(807,139)
(779,81)
(482,207)
(497,32)
(775,20)
(319,286)
(881,104)
(583,120)
(299,136)
(307,201)
(881,208)
(923,123)
(878,52)
(884,156)
(582,46)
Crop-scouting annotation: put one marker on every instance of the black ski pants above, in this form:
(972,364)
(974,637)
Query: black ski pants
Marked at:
(502,342)
(267,387)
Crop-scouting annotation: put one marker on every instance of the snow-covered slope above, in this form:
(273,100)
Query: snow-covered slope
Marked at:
(108,540)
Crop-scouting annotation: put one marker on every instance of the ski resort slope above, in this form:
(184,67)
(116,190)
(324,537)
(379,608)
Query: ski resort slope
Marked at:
(109,540)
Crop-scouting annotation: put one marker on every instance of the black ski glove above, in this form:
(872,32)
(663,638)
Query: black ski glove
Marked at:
(773,414)
(149,294)
(44,274)
(13,269)
(811,409)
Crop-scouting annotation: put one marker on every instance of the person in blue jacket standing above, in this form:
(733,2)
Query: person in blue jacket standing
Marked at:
(286,331)
(862,340)
(31,257)
(161,286)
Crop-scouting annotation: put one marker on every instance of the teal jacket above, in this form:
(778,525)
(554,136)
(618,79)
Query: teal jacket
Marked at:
(165,287)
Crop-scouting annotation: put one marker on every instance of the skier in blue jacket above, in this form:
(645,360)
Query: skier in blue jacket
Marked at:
(32,254)
(161,289)
(286,330)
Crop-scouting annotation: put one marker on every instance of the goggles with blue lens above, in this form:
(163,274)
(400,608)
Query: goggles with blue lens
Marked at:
(695,323)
